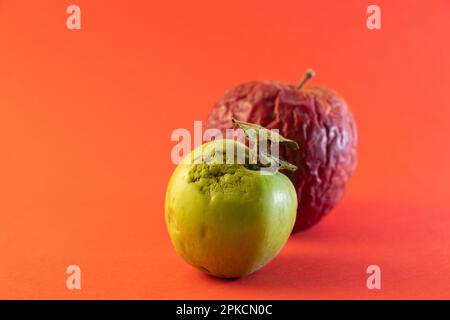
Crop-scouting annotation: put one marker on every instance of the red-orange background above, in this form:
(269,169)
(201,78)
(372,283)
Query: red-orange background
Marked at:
(86,118)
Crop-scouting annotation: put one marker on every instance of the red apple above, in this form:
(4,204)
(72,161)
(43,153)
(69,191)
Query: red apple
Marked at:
(318,119)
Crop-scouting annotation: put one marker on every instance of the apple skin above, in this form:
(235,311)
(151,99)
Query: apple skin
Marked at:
(225,219)
(318,119)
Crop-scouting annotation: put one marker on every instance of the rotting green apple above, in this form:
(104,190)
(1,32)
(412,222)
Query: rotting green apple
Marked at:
(227,219)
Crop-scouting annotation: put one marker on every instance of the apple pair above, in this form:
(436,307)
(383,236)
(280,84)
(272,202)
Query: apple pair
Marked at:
(230,220)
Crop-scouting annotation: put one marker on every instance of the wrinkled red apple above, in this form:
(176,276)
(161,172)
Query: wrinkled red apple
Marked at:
(317,119)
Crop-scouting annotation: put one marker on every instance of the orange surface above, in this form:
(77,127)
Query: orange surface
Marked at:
(86,118)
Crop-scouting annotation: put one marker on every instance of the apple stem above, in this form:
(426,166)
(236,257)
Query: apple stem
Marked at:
(266,160)
(309,74)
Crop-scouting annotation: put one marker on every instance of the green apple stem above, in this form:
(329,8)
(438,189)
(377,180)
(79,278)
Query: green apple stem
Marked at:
(271,136)
(309,74)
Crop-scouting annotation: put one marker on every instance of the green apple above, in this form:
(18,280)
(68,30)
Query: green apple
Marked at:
(226,219)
